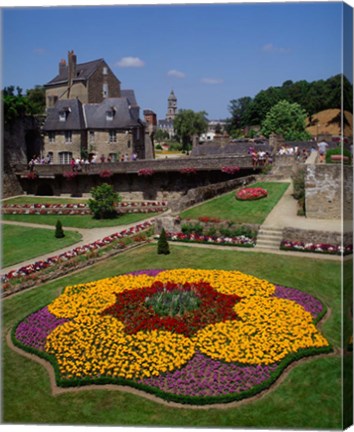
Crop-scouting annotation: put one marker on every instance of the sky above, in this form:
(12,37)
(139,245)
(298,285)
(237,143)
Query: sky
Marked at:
(208,54)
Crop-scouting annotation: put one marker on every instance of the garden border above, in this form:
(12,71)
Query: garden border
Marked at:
(274,381)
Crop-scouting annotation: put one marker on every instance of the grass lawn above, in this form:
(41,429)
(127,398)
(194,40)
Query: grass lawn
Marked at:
(226,207)
(22,243)
(308,397)
(38,200)
(80,221)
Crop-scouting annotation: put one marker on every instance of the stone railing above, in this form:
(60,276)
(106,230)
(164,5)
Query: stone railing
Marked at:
(157,165)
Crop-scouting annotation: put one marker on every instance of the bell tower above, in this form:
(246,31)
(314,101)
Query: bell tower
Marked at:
(171,106)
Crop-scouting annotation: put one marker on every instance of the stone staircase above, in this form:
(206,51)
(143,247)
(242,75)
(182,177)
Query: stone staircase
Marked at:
(269,238)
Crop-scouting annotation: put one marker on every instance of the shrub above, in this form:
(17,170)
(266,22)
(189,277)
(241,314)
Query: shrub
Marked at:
(192,229)
(298,179)
(102,202)
(337,151)
(163,247)
(59,233)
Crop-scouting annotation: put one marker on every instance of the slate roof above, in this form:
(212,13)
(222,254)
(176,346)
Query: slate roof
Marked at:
(74,119)
(83,72)
(123,117)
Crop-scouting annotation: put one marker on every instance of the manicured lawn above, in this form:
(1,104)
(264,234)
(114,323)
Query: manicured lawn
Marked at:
(226,207)
(308,397)
(22,243)
(80,221)
(38,200)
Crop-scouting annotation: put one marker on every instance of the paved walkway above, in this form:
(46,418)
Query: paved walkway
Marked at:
(284,214)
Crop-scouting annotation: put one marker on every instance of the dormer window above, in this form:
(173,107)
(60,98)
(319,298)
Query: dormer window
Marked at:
(63,114)
(110,114)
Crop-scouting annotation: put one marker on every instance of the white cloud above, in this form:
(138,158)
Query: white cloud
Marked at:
(271,48)
(212,81)
(176,74)
(39,51)
(130,62)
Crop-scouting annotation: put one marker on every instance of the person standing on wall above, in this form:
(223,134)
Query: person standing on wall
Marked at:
(322,149)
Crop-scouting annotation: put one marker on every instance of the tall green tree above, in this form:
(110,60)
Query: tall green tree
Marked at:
(239,110)
(286,119)
(188,123)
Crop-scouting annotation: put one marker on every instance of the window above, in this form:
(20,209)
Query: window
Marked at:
(105,70)
(112,136)
(51,136)
(65,157)
(109,115)
(62,116)
(105,90)
(68,137)
(92,137)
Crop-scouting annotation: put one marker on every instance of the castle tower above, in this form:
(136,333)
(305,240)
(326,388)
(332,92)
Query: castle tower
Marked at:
(171,106)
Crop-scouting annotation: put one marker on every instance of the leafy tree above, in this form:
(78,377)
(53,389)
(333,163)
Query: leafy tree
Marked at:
(163,247)
(239,110)
(102,202)
(188,123)
(286,119)
(161,135)
(17,105)
(36,99)
(59,233)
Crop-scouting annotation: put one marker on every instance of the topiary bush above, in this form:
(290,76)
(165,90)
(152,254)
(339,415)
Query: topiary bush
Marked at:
(163,247)
(59,233)
(338,151)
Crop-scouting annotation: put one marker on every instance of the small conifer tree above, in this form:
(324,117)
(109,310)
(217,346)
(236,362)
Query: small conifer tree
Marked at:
(163,247)
(59,233)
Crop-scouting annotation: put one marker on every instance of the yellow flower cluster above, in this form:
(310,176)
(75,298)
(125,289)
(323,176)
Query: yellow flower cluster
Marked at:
(94,297)
(97,346)
(226,282)
(268,330)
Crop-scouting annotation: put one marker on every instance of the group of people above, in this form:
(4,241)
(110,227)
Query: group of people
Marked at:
(77,164)
(260,158)
(37,160)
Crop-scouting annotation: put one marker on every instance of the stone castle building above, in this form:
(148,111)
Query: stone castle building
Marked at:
(89,115)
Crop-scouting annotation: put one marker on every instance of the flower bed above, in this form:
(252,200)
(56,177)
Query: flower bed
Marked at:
(316,247)
(241,241)
(83,208)
(28,270)
(240,334)
(251,194)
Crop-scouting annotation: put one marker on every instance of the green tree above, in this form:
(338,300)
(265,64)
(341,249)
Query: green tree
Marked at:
(163,247)
(239,110)
(102,202)
(59,233)
(161,135)
(286,119)
(16,105)
(188,123)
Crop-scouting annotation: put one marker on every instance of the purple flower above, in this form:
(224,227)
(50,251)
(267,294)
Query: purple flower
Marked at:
(203,376)
(309,303)
(34,330)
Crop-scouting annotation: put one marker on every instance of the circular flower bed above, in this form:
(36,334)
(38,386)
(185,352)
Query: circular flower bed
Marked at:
(186,335)
(251,194)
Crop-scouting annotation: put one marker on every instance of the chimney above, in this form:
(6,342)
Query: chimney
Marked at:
(62,67)
(71,70)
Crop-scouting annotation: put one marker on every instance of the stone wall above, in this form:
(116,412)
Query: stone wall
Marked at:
(95,85)
(203,193)
(315,236)
(324,185)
